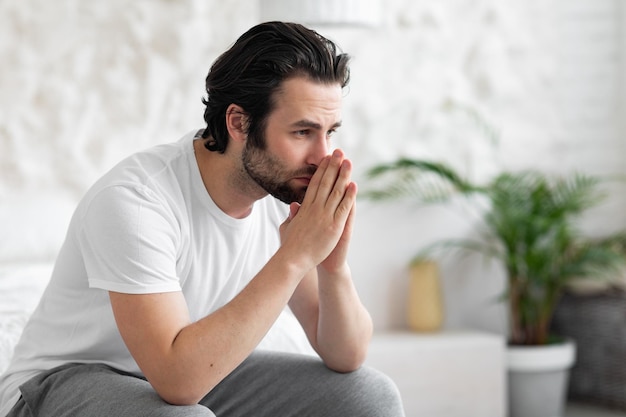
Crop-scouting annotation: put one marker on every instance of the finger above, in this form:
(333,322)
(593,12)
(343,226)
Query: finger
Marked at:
(340,186)
(328,179)
(347,231)
(311,192)
(293,210)
(347,205)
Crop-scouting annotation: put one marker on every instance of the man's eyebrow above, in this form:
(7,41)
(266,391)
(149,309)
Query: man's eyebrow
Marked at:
(313,125)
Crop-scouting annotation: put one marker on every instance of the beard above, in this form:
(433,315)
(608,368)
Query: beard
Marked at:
(271,174)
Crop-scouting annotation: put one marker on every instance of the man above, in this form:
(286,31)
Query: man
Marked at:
(177,262)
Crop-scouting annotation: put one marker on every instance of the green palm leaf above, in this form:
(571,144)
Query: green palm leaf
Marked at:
(530,227)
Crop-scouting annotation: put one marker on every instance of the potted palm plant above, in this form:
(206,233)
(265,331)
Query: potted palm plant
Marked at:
(529,221)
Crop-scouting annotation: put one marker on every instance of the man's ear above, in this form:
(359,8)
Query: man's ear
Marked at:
(237,122)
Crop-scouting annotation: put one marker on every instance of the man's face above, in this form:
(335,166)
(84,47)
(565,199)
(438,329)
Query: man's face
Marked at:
(296,137)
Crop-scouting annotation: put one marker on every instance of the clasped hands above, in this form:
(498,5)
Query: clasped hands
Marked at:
(319,229)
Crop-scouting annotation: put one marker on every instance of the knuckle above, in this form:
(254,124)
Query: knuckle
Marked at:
(337,192)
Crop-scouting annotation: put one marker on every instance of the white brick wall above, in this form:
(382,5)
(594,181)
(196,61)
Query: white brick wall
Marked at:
(83,84)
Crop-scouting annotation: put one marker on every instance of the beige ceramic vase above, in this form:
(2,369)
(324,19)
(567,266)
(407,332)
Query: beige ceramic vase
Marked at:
(425,301)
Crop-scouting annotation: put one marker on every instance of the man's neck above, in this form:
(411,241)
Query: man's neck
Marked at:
(226,181)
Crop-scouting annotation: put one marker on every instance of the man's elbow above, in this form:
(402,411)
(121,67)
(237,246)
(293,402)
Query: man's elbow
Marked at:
(179,398)
(347,363)
(180,394)
(343,368)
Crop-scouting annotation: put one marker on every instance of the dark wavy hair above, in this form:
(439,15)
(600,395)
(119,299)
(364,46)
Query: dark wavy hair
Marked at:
(253,69)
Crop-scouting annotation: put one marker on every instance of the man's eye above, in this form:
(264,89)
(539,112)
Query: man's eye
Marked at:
(302,132)
(331,132)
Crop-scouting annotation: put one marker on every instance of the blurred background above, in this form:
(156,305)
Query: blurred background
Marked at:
(484,85)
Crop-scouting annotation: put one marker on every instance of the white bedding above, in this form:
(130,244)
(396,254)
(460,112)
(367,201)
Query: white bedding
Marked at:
(21,287)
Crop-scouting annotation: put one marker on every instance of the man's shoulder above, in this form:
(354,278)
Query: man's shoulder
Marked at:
(156,171)
(150,164)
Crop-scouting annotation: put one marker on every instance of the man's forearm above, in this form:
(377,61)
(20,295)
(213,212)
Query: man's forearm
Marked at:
(344,327)
(184,361)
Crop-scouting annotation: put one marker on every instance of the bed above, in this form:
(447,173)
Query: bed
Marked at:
(429,369)
(21,287)
(34,226)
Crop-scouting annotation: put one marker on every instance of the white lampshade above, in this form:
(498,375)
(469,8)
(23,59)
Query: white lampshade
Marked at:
(322,12)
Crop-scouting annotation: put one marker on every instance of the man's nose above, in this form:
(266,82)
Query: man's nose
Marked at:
(319,149)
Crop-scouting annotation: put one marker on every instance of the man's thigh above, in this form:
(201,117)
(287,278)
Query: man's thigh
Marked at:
(95,390)
(270,384)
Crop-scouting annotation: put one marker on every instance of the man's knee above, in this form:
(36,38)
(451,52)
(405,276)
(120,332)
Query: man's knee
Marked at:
(182,411)
(375,394)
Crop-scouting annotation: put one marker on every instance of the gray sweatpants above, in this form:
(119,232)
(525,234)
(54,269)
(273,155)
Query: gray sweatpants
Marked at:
(266,384)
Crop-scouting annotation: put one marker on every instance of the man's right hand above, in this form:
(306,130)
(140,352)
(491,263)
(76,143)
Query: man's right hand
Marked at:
(314,229)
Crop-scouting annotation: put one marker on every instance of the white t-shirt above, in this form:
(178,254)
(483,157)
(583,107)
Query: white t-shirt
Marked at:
(147,226)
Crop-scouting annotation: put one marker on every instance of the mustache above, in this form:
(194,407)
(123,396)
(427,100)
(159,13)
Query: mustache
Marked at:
(305,172)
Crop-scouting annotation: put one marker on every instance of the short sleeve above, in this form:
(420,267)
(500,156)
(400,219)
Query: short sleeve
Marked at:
(129,239)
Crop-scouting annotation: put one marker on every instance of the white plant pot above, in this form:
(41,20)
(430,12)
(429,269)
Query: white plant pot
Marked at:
(538,378)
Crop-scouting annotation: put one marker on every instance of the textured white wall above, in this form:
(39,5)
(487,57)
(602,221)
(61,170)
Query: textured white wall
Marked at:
(83,84)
